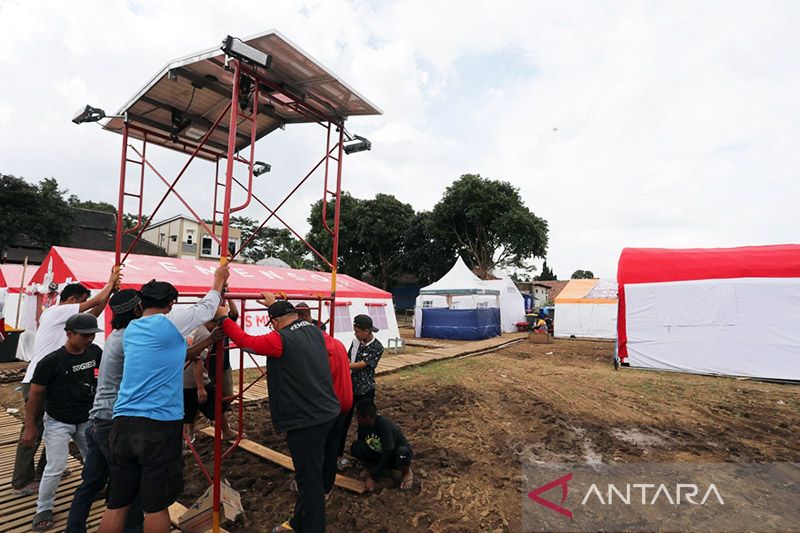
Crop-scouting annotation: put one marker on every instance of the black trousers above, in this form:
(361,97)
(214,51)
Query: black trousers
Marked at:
(332,451)
(307,446)
(349,418)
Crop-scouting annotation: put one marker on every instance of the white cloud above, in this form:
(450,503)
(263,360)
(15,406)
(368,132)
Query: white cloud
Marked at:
(658,124)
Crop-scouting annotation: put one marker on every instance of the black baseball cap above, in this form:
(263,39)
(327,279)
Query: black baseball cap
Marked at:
(82,323)
(159,291)
(281,308)
(364,322)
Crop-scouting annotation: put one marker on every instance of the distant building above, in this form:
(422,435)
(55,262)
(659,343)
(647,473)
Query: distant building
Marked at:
(544,292)
(91,230)
(184,237)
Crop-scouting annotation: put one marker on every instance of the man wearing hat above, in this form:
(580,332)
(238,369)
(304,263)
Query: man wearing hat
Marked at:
(147,434)
(302,402)
(126,306)
(365,354)
(64,385)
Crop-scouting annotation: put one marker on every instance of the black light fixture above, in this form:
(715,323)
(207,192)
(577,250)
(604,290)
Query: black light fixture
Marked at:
(360,144)
(259,168)
(179,123)
(92,114)
(234,47)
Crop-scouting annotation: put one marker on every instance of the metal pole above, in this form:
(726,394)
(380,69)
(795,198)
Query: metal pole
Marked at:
(223,259)
(21,284)
(335,257)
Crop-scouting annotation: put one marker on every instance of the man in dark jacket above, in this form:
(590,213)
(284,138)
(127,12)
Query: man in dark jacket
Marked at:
(302,402)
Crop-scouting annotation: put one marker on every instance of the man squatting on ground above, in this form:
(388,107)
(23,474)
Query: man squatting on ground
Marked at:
(365,354)
(381,446)
(50,336)
(62,386)
(146,438)
(302,403)
(126,307)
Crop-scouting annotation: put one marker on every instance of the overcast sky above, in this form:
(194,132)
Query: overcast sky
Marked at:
(667,124)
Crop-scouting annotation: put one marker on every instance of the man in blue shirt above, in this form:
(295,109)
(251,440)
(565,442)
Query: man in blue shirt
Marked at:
(146,438)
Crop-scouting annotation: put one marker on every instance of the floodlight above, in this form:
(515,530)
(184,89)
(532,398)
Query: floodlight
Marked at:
(360,145)
(93,114)
(234,47)
(259,167)
(89,114)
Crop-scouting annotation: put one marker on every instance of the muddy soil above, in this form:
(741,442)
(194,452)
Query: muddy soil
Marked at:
(473,423)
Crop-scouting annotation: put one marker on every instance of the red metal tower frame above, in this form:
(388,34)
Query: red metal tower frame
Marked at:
(241,111)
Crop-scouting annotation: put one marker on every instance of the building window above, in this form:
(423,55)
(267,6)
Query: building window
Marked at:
(232,246)
(205,248)
(378,315)
(427,303)
(189,237)
(342,318)
(482,305)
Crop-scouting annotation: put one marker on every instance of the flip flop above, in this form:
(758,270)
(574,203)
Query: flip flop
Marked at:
(42,521)
(286,526)
(407,483)
(28,490)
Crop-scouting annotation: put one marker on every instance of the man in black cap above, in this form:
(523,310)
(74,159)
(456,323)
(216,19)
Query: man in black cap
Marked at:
(126,306)
(365,354)
(304,312)
(302,402)
(64,385)
(147,434)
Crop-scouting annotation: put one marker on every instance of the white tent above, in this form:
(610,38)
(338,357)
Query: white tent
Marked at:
(587,308)
(461,289)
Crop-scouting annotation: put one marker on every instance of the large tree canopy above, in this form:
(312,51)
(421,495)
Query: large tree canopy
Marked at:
(582,274)
(488,220)
(32,214)
(371,236)
(547,274)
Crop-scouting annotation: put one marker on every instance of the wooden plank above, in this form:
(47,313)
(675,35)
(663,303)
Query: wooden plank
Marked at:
(353,485)
(176,510)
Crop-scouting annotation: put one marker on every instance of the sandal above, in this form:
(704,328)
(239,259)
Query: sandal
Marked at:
(28,490)
(408,481)
(286,526)
(42,521)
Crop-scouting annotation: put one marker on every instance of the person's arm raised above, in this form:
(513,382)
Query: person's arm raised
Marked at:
(96,304)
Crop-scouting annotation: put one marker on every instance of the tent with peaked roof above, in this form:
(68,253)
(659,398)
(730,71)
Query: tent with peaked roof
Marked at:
(587,308)
(728,311)
(462,291)
(193,276)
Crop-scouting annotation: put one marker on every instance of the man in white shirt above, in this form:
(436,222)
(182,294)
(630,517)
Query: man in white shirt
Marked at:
(50,336)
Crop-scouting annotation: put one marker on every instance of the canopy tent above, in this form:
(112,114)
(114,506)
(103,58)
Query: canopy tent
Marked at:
(11,296)
(587,308)
(729,311)
(460,289)
(193,276)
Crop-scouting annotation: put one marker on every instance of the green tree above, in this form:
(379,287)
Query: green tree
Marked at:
(271,242)
(547,274)
(428,253)
(32,214)
(76,202)
(488,220)
(371,236)
(352,258)
(582,274)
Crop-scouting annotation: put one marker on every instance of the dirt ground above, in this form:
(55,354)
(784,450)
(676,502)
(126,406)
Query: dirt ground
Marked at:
(474,422)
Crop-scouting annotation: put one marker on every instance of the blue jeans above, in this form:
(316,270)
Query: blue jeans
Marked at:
(57,435)
(94,479)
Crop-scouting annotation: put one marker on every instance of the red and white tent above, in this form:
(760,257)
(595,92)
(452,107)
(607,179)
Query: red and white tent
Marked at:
(92,268)
(729,311)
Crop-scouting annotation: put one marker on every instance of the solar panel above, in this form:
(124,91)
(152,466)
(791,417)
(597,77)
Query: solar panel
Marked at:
(179,105)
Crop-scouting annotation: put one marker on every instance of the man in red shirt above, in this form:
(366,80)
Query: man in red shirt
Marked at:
(302,402)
